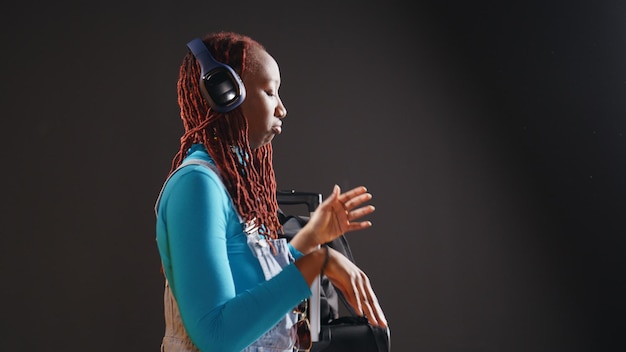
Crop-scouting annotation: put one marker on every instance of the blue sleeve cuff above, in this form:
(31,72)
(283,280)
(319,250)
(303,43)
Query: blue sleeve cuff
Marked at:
(294,252)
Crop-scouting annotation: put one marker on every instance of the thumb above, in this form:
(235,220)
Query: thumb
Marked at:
(336,192)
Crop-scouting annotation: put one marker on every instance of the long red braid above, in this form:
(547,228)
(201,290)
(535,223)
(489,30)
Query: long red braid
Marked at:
(248,174)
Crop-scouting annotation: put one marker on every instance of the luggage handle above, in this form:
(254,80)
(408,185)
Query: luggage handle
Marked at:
(290,197)
(312,201)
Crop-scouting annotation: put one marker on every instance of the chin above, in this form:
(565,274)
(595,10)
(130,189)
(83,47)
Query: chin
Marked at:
(257,145)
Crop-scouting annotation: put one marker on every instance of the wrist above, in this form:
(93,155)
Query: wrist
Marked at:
(305,241)
(314,263)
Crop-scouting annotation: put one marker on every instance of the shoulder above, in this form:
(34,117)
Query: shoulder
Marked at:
(194,185)
(196,178)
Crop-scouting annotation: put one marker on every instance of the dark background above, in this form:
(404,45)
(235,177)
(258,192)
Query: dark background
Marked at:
(491,135)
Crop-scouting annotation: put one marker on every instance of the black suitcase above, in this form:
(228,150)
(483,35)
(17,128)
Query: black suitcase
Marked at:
(338,328)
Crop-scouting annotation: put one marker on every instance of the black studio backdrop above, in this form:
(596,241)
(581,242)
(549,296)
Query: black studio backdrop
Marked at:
(490,133)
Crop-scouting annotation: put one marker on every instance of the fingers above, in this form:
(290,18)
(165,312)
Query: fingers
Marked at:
(354,198)
(357,200)
(356,287)
(356,301)
(355,214)
(335,196)
(372,308)
(363,299)
(355,226)
(346,197)
(351,198)
(336,191)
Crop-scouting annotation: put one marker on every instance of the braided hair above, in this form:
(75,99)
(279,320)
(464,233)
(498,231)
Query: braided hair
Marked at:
(248,174)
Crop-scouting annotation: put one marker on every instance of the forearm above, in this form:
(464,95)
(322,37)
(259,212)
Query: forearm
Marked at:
(241,320)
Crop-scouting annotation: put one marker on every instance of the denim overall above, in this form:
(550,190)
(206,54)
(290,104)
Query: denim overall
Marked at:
(279,338)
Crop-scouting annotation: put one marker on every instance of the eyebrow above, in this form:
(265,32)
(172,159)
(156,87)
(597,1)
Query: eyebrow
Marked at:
(274,81)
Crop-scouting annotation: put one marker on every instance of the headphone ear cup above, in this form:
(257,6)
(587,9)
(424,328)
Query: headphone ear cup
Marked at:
(219,83)
(223,89)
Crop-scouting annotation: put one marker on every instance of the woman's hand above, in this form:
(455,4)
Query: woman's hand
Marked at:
(355,286)
(333,218)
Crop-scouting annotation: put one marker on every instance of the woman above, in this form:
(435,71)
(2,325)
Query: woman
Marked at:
(231,284)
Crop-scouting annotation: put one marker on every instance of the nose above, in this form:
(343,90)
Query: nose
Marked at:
(281,111)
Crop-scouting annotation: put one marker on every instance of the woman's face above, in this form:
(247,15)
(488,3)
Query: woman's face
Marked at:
(262,107)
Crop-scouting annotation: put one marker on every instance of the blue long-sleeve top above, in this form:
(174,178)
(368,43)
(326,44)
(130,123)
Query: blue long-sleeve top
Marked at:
(224,300)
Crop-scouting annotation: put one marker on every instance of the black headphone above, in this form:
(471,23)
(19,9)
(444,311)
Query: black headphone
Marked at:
(219,83)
